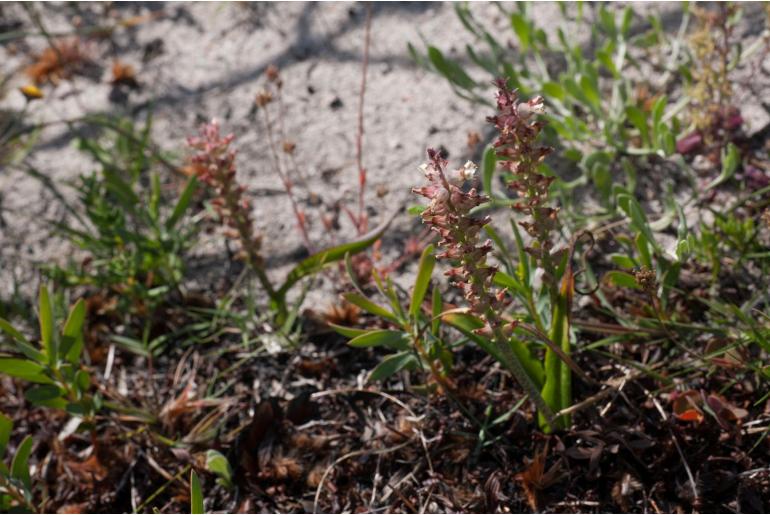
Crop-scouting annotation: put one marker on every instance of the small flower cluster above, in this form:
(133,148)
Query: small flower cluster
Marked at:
(448,214)
(214,165)
(520,154)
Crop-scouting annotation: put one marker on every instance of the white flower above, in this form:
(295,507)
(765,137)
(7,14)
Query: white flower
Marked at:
(533,106)
(468,171)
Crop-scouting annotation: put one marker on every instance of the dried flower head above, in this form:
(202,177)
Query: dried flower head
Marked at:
(289,146)
(264,97)
(214,164)
(647,280)
(711,92)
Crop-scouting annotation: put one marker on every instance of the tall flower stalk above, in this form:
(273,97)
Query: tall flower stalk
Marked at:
(448,214)
(452,197)
(214,165)
(520,154)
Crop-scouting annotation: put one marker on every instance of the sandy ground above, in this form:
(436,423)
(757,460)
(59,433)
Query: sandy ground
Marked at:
(211,64)
(200,61)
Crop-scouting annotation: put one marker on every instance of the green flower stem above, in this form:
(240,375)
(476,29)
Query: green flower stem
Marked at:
(517,369)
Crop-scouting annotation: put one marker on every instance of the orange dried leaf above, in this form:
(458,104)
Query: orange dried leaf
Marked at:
(124,75)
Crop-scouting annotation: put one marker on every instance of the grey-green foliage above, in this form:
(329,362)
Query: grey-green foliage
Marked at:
(133,244)
(592,96)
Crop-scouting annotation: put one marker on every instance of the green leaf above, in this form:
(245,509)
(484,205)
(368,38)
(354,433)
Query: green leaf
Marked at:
(437,306)
(392,364)
(638,219)
(450,69)
(657,114)
(196,496)
(607,21)
(121,190)
(622,279)
(20,463)
(218,464)
(554,90)
(369,306)
(424,272)
(317,261)
(591,92)
(348,332)
(21,343)
(639,120)
(132,345)
(46,324)
(730,161)
(43,393)
(24,369)
(11,331)
(488,163)
(396,340)
(73,329)
(183,203)
(623,261)
(6,426)
(522,30)
(468,324)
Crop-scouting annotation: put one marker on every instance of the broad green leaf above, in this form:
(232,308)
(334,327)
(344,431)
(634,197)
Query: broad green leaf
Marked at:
(6,426)
(623,261)
(42,393)
(643,246)
(396,340)
(622,279)
(591,92)
(450,69)
(392,364)
(522,30)
(554,90)
(421,283)
(488,163)
(182,203)
(317,261)
(369,306)
(46,324)
(24,369)
(196,496)
(73,329)
(639,120)
(20,463)
(348,332)
(218,464)
(82,380)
